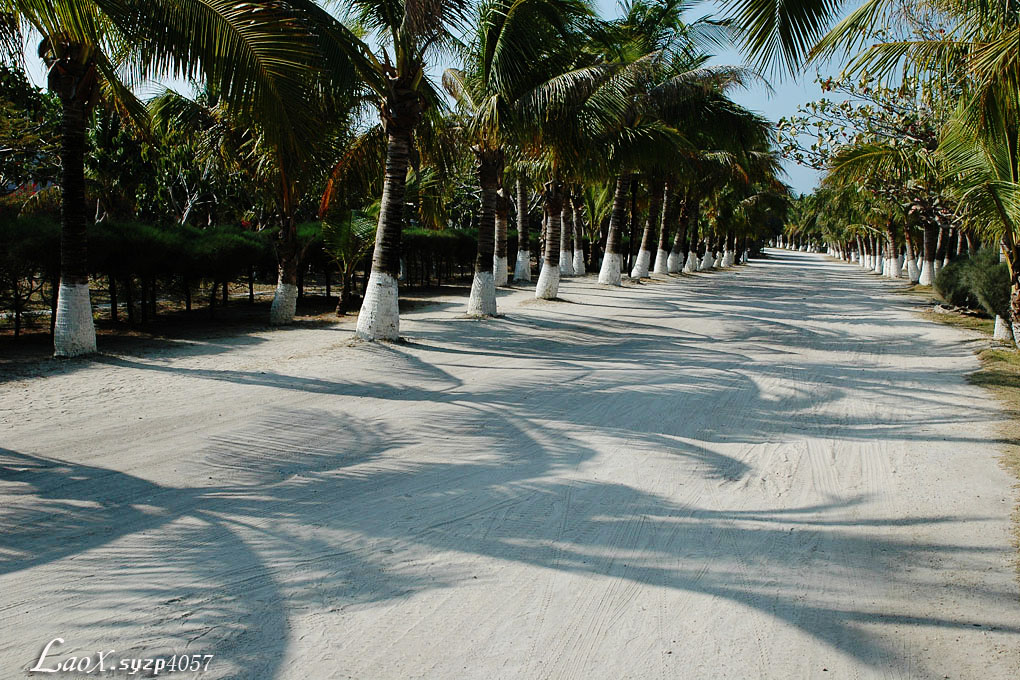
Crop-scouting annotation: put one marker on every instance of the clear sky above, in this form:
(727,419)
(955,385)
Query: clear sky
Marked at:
(787,92)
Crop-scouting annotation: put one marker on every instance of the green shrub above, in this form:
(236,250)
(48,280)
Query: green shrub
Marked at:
(988,281)
(979,281)
(951,285)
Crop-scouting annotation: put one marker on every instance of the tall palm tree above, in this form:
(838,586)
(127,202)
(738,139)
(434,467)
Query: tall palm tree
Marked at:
(257,55)
(391,45)
(517,46)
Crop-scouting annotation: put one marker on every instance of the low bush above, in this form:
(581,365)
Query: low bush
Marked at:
(978,281)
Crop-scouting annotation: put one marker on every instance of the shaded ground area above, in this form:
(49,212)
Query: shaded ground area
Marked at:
(777,471)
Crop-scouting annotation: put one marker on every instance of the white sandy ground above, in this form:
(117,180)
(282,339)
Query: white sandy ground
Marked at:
(776,471)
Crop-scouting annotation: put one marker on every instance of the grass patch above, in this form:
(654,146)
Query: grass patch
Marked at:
(969,321)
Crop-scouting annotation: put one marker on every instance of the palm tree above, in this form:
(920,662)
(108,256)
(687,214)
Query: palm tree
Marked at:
(517,46)
(982,160)
(662,83)
(407,36)
(258,56)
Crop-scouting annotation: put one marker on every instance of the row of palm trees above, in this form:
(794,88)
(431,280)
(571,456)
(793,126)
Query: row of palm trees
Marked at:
(546,93)
(954,187)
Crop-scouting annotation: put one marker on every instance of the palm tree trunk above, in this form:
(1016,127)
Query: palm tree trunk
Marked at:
(910,256)
(1010,251)
(644,256)
(892,260)
(612,262)
(285,299)
(380,316)
(74,332)
(927,276)
(483,288)
(567,238)
(499,263)
(632,240)
(678,252)
(669,216)
(522,270)
(577,204)
(940,249)
(693,227)
(549,278)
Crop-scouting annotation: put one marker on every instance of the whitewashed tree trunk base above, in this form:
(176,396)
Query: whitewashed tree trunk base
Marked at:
(927,275)
(499,270)
(609,274)
(691,265)
(661,262)
(727,258)
(579,263)
(284,305)
(380,312)
(937,268)
(706,262)
(640,270)
(522,270)
(913,273)
(893,269)
(548,283)
(718,261)
(1003,330)
(674,263)
(74,331)
(482,301)
(879,265)
(566,263)
(746,256)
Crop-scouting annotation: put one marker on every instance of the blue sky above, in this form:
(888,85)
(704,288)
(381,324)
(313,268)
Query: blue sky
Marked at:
(787,92)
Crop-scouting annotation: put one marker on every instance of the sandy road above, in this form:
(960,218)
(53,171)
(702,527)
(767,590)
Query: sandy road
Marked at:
(771,472)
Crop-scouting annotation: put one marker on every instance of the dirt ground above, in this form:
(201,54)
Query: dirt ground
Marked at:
(775,471)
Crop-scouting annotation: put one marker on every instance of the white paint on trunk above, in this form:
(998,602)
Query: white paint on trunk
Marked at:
(717,262)
(74,332)
(892,268)
(691,265)
(1003,330)
(661,262)
(727,258)
(747,256)
(548,283)
(707,261)
(579,263)
(674,263)
(927,275)
(284,304)
(609,274)
(879,262)
(482,301)
(937,268)
(499,270)
(640,270)
(380,312)
(913,273)
(566,263)
(522,270)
